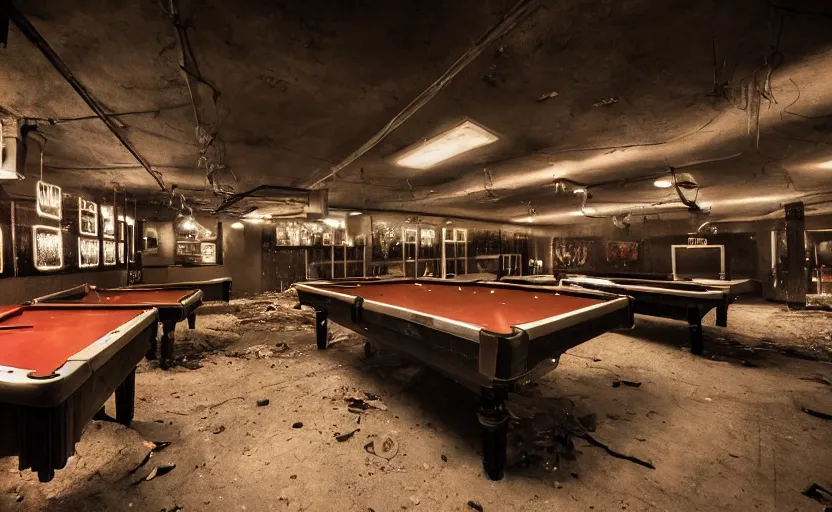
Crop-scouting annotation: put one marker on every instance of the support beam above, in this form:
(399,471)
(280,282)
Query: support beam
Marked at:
(796,256)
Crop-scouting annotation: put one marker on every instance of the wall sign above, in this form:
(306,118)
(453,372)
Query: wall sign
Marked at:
(697,241)
(88,250)
(48,201)
(47,248)
(87,217)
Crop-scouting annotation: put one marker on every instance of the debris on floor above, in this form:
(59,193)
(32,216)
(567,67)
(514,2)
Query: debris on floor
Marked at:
(630,383)
(387,447)
(345,437)
(816,414)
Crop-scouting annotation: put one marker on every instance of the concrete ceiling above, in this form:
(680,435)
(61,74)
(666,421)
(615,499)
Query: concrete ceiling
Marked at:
(301,85)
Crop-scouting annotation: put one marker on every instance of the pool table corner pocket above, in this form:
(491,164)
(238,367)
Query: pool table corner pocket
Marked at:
(503,356)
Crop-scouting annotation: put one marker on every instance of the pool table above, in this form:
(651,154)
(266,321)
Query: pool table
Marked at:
(484,335)
(174,306)
(687,300)
(218,289)
(58,366)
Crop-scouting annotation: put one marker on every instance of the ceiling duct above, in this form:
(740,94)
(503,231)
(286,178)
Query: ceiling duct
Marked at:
(13,142)
(273,202)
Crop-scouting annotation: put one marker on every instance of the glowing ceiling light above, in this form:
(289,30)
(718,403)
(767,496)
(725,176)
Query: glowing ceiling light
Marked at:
(333,223)
(663,183)
(237,225)
(826,165)
(353,214)
(529,219)
(186,223)
(459,139)
(255,221)
(579,191)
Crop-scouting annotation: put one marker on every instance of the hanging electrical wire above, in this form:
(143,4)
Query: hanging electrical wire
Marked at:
(212,150)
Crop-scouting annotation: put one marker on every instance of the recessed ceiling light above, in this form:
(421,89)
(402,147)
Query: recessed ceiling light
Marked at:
(459,139)
(663,183)
(237,225)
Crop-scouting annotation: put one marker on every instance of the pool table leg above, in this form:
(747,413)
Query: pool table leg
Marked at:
(192,320)
(320,329)
(494,420)
(695,328)
(722,315)
(126,399)
(151,350)
(168,335)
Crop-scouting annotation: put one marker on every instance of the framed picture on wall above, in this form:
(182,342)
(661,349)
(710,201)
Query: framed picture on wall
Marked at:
(88,250)
(48,201)
(48,248)
(209,252)
(87,217)
(108,219)
(571,252)
(109,252)
(622,252)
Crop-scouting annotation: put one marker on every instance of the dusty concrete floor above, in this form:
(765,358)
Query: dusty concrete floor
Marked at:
(724,432)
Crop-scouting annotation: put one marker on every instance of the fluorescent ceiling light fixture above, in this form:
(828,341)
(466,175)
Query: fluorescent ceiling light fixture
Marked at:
(237,225)
(353,214)
(663,183)
(460,139)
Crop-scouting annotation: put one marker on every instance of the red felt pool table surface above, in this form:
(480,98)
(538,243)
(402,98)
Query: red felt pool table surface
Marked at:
(495,309)
(53,335)
(130,297)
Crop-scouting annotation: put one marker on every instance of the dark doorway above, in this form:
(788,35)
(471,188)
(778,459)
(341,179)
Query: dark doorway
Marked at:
(282,266)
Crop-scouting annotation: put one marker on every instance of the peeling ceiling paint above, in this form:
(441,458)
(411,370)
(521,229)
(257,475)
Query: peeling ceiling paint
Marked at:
(606,94)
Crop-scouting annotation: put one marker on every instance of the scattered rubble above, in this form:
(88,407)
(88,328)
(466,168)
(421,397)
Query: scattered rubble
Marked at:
(386,448)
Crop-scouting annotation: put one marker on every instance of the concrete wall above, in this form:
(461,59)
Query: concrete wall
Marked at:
(167,241)
(21,289)
(242,250)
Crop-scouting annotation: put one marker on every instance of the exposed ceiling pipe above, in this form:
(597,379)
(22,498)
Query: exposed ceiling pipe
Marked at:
(37,39)
(503,27)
